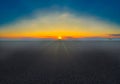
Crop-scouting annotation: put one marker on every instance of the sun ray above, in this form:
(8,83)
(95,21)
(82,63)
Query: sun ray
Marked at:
(66,49)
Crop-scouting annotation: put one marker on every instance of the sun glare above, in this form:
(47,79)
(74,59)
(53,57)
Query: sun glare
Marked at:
(59,37)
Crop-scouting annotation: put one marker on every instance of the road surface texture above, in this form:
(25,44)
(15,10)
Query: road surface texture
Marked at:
(59,62)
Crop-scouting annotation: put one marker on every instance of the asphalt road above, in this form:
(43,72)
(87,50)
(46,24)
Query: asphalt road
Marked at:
(59,62)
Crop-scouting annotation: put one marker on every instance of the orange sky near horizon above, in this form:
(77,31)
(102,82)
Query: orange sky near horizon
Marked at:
(64,24)
(54,35)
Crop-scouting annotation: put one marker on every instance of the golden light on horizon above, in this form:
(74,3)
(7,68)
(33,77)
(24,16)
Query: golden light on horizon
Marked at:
(59,37)
(55,25)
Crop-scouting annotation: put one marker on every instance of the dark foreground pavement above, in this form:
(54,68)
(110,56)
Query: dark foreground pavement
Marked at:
(59,62)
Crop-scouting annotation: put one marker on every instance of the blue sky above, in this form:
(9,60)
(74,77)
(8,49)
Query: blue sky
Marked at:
(82,18)
(12,10)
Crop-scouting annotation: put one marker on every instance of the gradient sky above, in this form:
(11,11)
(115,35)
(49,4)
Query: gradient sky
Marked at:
(76,18)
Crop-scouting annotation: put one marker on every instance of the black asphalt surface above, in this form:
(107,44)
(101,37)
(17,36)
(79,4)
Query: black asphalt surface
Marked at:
(59,62)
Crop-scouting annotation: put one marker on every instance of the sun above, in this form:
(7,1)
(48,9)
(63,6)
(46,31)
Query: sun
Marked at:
(59,38)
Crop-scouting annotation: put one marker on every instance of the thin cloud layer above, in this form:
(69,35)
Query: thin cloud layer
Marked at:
(114,35)
(59,23)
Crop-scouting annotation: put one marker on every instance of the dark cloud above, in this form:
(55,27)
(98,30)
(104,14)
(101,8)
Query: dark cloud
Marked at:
(114,35)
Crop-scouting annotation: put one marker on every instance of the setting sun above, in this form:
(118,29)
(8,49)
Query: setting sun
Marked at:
(59,37)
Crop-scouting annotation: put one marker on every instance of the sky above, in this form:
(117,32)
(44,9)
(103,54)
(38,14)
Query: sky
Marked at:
(54,18)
